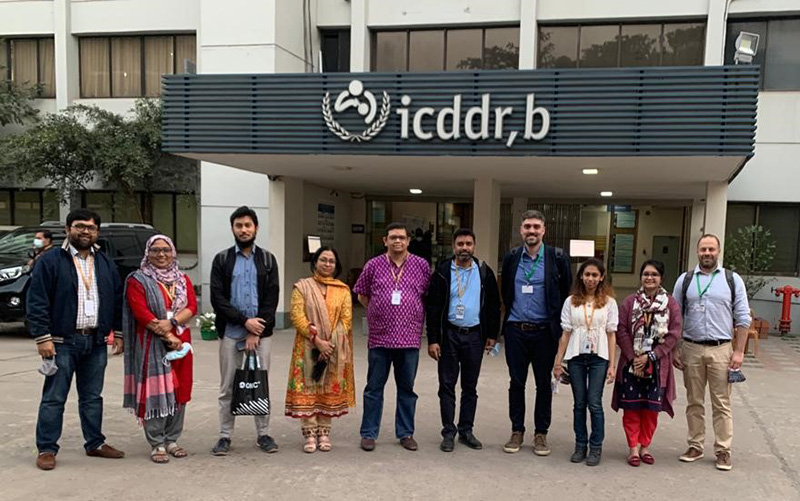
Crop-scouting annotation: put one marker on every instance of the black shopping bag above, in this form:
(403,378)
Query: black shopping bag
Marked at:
(250,389)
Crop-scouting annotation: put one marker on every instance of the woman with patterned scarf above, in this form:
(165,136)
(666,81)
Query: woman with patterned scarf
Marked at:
(321,371)
(159,303)
(649,328)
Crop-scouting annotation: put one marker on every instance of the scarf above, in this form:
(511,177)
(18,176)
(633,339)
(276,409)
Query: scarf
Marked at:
(148,389)
(650,320)
(168,276)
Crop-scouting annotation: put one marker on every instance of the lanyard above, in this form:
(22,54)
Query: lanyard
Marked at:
(396,276)
(459,289)
(87,280)
(169,290)
(529,273)
(697,281)
(589,320)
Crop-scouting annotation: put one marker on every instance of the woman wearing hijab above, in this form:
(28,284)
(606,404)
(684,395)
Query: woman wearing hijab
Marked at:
(159,303)
(649,329)
(321,371)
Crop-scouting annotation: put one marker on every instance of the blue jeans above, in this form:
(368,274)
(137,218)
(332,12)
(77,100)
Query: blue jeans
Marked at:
(87,361)
(380,360)
(588,377)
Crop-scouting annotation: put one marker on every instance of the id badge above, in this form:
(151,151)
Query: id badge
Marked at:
(460,312)
(89,308)
(396,297)
(586,346)
(699,307)
(527,289)
(170,314)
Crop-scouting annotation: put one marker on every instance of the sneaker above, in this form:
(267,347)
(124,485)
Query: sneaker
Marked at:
(222,447)
(579,455)
(724,461)
(470,441)
(593,459)
(267,444)
(448,444)
(540,447)
(515,442)
(691,455)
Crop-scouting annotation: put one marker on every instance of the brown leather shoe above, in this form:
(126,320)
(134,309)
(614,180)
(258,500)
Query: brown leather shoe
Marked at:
(691,455)
(106,451)
(724,461)
(46,461)
(409,443)
(368,444)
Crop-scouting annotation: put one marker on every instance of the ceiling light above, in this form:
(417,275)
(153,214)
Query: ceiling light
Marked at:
(606,194)
(590,172)
(415,191)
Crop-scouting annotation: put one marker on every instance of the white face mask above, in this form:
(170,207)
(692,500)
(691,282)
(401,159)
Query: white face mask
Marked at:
(38,243)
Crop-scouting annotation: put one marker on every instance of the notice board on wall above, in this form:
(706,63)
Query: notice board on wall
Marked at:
(326,228)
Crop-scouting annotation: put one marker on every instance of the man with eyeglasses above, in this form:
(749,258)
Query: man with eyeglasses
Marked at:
(74,301)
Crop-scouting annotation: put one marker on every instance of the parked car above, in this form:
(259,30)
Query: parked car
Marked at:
(123,242)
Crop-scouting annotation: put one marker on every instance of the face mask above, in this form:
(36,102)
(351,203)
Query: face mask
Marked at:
(38,243)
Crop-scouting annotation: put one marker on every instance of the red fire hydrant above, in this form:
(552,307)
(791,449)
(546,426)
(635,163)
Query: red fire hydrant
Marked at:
(786,311)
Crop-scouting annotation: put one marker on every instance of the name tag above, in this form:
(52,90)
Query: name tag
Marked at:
(699,307)
(460,309)
(527,289)
(170,314)
(396,296)
(89,307)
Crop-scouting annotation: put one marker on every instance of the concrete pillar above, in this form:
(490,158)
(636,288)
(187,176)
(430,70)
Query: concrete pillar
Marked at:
(359,37)
(715,32)
(66,55)
(286,239)
(486,216)
(716,210)
(696,225)
(528,34)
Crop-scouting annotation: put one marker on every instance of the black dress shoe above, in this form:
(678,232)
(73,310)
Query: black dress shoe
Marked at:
(470,441)
(448,444)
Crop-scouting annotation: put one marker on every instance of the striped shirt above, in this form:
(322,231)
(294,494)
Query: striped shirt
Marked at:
(88,299)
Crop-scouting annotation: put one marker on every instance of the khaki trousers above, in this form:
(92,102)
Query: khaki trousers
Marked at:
(708,365)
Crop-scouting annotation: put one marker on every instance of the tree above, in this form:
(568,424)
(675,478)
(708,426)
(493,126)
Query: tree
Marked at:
(15,100)
(750,253)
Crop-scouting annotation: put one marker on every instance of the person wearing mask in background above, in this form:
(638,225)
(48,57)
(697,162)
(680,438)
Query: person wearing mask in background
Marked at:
(42,242)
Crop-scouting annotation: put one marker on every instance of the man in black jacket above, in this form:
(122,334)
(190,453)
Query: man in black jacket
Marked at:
(463,318)
(535,283)
(244,294)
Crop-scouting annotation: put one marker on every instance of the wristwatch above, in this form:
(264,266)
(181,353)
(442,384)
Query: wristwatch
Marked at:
(174,322)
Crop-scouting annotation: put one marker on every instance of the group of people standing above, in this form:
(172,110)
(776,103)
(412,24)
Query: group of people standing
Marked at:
(548,320)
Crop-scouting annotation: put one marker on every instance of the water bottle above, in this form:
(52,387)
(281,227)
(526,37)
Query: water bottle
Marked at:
(495,351)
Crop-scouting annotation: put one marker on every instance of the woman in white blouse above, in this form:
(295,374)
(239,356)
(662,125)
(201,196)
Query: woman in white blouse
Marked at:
(589,320)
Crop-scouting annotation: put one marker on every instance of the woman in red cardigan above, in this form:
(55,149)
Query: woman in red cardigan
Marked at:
(159,303)
(649,328)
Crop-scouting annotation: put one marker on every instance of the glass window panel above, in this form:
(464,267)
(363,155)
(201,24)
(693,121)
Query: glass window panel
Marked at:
(162,214)
(784,223)
(158,60)
(336,51)
(126,67)
(47,67)
(95,73)
(27,208)
(464,50)
(684,44)
(599,46)
(127,208)
(426,50)
(185,50)
(101,203)
(757,27)
(783,55)
(738,216)
(391,51)
(51,209)
(501,49)
(23,62)
(187,223)
(5,207)
(558,47)
(640,45)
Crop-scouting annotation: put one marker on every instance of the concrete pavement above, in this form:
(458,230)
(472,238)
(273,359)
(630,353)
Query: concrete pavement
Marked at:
(766,444)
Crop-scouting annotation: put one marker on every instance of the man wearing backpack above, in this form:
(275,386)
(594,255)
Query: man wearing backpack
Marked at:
(244,294)
(713,307)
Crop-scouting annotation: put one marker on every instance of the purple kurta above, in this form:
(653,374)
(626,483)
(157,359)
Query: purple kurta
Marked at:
(394,325)
(663,350)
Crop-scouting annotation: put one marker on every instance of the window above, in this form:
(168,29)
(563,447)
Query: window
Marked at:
(777,50)
(30,61)
(621,45)
(446,49)
(132,66)
(28,207)
(336,50)
(783,222)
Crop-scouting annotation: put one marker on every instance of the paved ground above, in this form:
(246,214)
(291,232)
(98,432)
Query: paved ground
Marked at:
(766,445)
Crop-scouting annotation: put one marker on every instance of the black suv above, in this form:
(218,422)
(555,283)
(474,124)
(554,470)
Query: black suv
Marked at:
(123,242)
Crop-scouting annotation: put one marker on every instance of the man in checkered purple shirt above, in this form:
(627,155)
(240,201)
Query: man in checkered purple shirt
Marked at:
(392,287)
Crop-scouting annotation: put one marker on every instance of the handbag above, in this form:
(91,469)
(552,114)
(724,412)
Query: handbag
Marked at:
(250,388)
(319,366)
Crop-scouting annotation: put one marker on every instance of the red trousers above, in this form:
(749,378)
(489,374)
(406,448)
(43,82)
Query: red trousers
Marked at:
(640,426)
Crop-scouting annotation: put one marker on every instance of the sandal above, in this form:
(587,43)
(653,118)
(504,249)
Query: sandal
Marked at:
(159,455)
(648,458)
(310,445)
(176,450)
(634,460)
(324,443)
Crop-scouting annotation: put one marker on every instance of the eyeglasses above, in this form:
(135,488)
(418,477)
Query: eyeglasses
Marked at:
(82,228)
(327,261)
(651,275)
(156,251)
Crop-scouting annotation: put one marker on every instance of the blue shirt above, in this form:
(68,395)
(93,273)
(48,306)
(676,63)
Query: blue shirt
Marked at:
(529,307)
(244,291)
(471,298)
(712,317)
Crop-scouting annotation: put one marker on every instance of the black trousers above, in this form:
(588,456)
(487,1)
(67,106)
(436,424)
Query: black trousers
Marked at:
(523,349)
(464,352)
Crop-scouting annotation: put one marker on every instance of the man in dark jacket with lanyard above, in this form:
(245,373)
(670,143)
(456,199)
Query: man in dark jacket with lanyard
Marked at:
(463,319)
(244,294)
(535,283)
(74,301)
